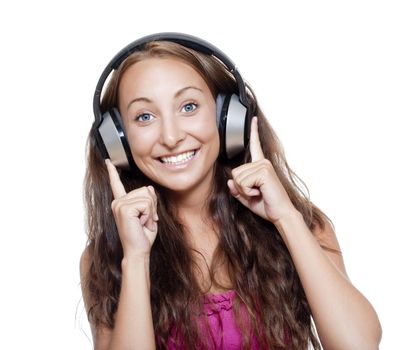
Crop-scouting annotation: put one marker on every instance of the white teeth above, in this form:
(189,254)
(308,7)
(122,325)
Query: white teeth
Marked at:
(179,159)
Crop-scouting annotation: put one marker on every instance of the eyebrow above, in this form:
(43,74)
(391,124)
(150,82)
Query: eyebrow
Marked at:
(177,94)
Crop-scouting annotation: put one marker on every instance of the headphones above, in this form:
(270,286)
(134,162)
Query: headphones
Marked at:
(233,112)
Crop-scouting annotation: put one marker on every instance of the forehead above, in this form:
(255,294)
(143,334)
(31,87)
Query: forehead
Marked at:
(153,71)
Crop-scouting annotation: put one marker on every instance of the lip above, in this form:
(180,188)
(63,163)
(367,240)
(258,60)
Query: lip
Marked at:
(181,166)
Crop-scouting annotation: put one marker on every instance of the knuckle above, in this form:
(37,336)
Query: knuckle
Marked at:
(155,199)
(121,209)
(238,185)
(143,191)
(265,163)
(114,205)
(235,172)
(152,194)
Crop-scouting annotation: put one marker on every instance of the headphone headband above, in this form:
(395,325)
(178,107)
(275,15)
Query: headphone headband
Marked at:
(186,40)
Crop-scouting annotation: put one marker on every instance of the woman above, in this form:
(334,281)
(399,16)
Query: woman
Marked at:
(188,250)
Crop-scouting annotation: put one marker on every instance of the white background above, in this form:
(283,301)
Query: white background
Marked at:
(332,78)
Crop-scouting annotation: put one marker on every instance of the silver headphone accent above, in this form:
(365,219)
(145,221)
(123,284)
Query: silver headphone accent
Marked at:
(235,126)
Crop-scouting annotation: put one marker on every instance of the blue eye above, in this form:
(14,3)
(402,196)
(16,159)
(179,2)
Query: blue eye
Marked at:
(189,107)
(143,117)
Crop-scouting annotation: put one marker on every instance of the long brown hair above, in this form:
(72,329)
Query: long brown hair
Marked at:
(259,265)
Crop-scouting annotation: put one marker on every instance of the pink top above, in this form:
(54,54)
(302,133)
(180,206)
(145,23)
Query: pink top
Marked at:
(224,331)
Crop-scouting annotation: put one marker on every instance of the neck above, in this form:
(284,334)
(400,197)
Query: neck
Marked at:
(191,208)
(192,203)
(201,233)
(192,211)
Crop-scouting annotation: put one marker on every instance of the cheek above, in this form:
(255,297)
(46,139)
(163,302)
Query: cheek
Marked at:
(211,134)
(206,127)
(141,143)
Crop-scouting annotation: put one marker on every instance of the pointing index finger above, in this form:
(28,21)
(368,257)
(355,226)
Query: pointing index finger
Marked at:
(254,143)
(117,187)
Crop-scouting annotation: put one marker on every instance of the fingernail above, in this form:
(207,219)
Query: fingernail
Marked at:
(107,161)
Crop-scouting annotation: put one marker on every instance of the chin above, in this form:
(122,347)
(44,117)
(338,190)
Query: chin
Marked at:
(180,186)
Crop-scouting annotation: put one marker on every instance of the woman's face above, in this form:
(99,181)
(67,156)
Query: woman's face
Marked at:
(169,117)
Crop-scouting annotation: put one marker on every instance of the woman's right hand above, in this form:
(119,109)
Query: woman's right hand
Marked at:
(135,215)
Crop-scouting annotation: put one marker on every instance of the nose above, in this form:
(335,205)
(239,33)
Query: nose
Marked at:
(171,132)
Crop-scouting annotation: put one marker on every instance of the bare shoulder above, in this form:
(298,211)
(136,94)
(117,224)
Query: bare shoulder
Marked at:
(84,266)
(84,263)
(327,238)
(101,335)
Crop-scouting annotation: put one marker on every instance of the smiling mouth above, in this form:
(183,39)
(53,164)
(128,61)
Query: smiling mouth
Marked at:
(179,159)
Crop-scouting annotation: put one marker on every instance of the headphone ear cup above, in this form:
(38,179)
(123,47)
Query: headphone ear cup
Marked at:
(232,124)
(112,135)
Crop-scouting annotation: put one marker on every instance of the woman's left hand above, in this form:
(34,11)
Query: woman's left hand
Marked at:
(257,186)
